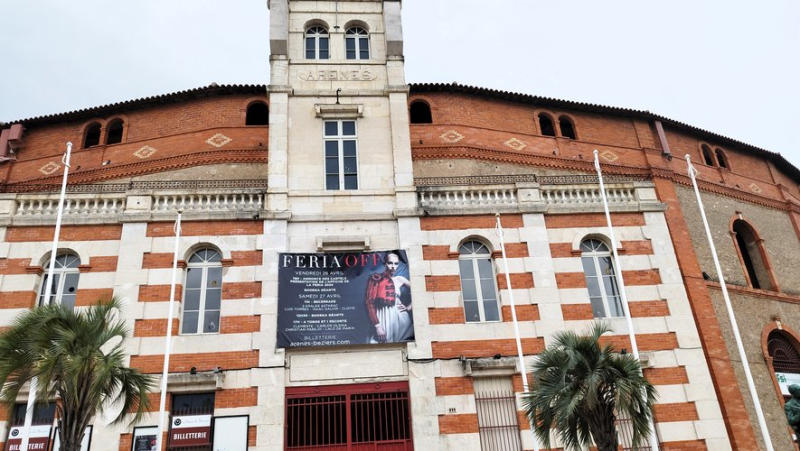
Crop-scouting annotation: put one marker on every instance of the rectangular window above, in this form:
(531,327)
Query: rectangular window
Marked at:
(497,414)
(341,155)
(348,417)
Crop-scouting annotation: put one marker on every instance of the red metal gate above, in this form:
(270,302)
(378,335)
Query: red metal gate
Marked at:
(365,417)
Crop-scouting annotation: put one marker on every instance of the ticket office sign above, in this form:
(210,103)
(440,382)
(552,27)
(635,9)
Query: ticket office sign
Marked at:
(190,430)
(39,438)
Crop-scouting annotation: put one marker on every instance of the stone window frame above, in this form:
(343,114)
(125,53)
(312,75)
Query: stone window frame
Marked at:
(204,266)
(491,256)
(602,291)
(762,253)
(353,33)
(313,30)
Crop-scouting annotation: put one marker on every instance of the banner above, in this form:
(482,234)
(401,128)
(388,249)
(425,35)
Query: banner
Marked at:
(39,438)
(351,298)
(190,430)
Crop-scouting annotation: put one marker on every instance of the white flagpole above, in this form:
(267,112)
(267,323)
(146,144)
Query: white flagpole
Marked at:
(745,364)
(523,370)
(621,281)
(47,294)
(167,346)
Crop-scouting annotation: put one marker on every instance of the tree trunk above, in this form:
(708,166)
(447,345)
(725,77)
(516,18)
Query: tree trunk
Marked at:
(603,428)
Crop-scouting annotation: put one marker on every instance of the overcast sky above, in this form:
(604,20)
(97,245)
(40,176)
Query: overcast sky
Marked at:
(728,66)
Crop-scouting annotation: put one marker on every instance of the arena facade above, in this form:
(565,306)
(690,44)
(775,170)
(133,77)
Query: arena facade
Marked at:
(297,197)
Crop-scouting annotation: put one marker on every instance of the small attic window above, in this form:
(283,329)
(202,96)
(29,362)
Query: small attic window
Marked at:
(114,131)
(722,159)
(257,114)
(567,129)
(92,135)
(420,113)
(546,125)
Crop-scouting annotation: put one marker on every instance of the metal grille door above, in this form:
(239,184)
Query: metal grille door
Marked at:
(497,414)
(369,417)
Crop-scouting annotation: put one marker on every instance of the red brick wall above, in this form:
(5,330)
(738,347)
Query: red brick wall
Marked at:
(211,228)
(450,315)
(681,411)
(17,299)
(447,386)
(102,264)
(240,324)
(458,424)
(241,290)
(641,309)
(154,327)
(68,233)
(575,312)
(525,312)
(442,283)
(592,220)
(518,281)
(667,376)
(235,360)
(485,348)
(14,265)
(236,397)
(90,296)
(570,280)
(468,222)
(646,342)
(158,293)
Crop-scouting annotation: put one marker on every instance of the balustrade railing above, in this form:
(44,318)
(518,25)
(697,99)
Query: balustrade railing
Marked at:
(72,207)
(208,202)
(468,197)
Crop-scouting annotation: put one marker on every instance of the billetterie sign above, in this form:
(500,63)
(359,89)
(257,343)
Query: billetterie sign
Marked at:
(39,438)
(340,299)
(190,430)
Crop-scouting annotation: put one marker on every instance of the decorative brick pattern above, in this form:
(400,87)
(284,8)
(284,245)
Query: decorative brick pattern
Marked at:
(469,222)
(642,309)
(485,348)
(68,233)
(241,290)
(436,253)
(159,293)
(577,312)
(178,363)
(646,342)
(519,281)
(251,436)
(156,260)
(236,397)
(681,411)
(216,228)
(442,283)
(525,312)
(90,296)
(17,299)
(154,327)
(562,250)
(451,315)
(239,324)
(458,424)
(448,386)
(667,376)
(637,247)
(15,266)
(685,445)
(247,258)
(570,280)
(102,264)
(642,277)
(593,220)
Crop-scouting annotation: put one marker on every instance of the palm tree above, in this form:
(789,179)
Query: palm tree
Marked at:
(78,359)
(579,387)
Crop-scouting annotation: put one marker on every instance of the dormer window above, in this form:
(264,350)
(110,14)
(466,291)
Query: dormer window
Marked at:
(356,43)
(317,43)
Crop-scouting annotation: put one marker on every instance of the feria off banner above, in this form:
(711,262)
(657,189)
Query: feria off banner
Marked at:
(350,298)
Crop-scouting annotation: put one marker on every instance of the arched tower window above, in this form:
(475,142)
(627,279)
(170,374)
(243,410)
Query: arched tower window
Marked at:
(567,128)
(257,114)
(65,281)
(356,44)
(92,135)
(752,255)
(785,357)
(478,284)
(420,113)
(546,126)
(708,156)
(202,295)
(601,280)
(722,159)
(114,131)
(317,43)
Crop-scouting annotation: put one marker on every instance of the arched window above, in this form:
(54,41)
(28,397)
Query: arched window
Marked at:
(65,281)
(114,131)
(92,135)
(785,358)
(478,285)
(752,255)
(257,114)
(202,295)
(567,128)
(546,126)
(722,159)
(356,44)
(601,280)
(420,113)
(708,157)
(317,43)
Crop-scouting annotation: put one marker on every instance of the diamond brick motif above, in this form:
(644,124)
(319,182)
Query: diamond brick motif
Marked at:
(515,144)
(144,152)
(218,140)
(609,156)
(452,136)
(50,168)
(755,188)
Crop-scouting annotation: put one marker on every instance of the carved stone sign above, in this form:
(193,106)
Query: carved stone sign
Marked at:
(338,75)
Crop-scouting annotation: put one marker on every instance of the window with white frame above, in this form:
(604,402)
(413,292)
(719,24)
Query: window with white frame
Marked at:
(202,294)
(496,403)
(356,44)
(601,279)
(65,281)
(317,43)
(341,155)
(478,285)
